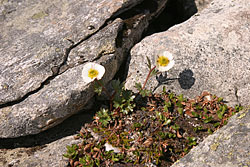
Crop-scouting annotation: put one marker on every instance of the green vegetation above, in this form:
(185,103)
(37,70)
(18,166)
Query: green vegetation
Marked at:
(143,127)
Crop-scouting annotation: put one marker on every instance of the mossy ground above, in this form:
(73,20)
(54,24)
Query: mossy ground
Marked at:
(161,129)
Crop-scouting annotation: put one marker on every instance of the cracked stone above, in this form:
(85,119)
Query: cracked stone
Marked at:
(42,56)
(34,36)
(211,52)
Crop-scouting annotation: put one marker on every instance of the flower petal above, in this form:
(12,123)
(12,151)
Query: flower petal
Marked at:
(168,55)
(91,65)
(171,63)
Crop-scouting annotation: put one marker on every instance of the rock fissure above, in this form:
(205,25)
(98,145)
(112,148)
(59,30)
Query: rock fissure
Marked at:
(64,88)
(42,38)
(64,66)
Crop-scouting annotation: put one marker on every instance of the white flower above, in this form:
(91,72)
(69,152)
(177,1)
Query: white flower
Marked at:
(92,71)
(164,61)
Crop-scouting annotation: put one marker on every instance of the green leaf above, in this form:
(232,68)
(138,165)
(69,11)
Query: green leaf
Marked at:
(97,88)
(238,108)
(220,99)
(117,85)
(179,104)
(148,63)
(153,72)
(220,115)
(195,114)
(71,151)
(198,107)
(138,86)
(205,110)
(209,131)
(104,116)
(180,111)
(180,98)
(171,95)
(175,127)
(208,119)
(216,124)
(164,90)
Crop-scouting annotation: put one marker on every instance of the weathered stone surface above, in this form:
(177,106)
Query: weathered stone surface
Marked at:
(229,146)
(211,51)
(202,4)
(40,79)
(48,155)
(34,38)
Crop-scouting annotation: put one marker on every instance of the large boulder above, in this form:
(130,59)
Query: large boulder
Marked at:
(44,46)
(211,52)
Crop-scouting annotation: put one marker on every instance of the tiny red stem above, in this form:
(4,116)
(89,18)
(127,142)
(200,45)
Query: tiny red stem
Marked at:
(151,70)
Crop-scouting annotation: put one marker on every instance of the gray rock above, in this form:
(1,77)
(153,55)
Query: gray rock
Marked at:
(35,38)
(211,52)
(43,48)
(229,146)
(47,155)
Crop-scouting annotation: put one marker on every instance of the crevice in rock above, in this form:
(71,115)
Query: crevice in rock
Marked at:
(175,12)
(130,17)
(56,70)
(61,68)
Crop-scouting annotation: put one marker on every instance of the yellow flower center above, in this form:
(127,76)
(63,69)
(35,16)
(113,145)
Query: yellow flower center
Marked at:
(92,73)
(162,61)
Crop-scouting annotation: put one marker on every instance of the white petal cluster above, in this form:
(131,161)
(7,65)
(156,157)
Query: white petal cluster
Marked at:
(92,71)
(164,61)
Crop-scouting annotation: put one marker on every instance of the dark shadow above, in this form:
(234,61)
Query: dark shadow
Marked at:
(163,80)
(175,12)
(186,79)
(122,73)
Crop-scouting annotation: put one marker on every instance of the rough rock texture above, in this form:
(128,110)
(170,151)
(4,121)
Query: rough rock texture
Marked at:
(211,52)
(43,48)
(34,36)
(229,146)
(202,4)
(48,155)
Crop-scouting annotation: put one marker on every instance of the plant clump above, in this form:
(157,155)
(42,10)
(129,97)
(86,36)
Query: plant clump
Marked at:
(157,132)
(145,129)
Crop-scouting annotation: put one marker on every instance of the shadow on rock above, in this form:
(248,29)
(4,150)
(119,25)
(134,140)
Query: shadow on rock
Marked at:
(68,127)
(162,79)
(175,12)
(186,79)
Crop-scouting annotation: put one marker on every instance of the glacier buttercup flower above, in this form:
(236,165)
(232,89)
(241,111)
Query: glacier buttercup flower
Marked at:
(92,71)
(164,61)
